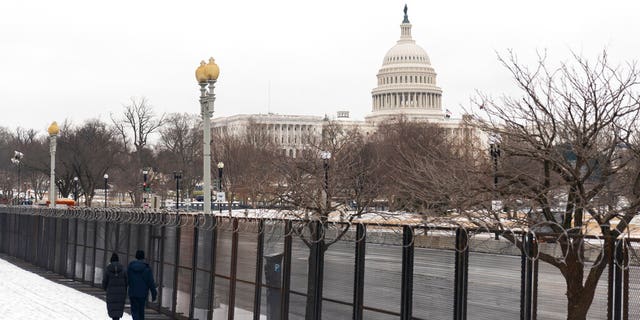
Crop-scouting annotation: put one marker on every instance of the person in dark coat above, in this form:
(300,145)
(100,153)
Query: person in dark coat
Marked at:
(140,284)
(114,281)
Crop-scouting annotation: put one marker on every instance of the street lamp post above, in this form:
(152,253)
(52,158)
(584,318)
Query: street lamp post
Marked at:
(220,167)
(177,176)
(207,75)
(326,155)
(106,185)
(17,156)
(53,134)
(75,190)
(494,151)
(144,188)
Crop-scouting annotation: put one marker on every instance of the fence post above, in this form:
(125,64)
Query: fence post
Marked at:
(625,285)
(618,266)
(257,296)
(106,243)
(117,236)
(39,239)
(3,232)
(406,294)
(75,248)
(234,270)
(161,266)
(194,267)
(529,278)
(461,275)
(212,271)
(95,243)
(286,271)
(176,261)
(316,270)
(138,235)
(84,250)
(25,239)
(64,244)
(358,275)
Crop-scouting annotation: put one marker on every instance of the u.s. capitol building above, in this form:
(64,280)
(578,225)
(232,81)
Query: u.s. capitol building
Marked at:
(406,88)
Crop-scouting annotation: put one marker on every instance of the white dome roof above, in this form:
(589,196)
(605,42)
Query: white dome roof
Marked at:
(406,52)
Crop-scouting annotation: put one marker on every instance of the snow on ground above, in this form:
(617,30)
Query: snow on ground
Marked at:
(25,295)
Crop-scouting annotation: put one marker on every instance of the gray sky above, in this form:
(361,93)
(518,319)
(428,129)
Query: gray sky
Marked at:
(83,59)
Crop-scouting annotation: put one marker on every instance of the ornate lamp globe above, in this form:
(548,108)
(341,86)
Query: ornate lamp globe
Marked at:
(211,70)
(53,129)
(200,76)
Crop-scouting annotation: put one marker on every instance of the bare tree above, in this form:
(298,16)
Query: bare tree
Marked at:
(180,148)
(569,155)
(137,123)
(426,167)
(94,151)
(248,165)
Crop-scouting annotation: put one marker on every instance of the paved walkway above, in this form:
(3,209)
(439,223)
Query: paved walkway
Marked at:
(86,288)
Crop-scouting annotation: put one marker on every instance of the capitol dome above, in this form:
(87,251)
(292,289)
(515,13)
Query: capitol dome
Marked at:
(406,83)
(406,53)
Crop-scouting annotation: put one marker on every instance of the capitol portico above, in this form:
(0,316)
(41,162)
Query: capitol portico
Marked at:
(406,89)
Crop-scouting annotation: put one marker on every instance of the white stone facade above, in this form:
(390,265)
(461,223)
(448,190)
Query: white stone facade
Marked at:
(290,132)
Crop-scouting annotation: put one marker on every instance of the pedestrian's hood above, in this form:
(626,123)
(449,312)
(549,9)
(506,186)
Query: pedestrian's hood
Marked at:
(115,267)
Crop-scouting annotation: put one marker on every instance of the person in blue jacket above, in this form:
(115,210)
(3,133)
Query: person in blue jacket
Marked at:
(140,284)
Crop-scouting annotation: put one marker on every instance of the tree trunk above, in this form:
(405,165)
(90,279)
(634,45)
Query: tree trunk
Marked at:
(578,307)
(580,293)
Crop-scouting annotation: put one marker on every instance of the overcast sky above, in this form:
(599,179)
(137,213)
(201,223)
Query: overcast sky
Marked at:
(84,59)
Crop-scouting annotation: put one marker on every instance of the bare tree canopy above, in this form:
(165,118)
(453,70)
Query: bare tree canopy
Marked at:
(180,148)
(138,121)
(248,164)
(92,151)
(569,159)
(426,166)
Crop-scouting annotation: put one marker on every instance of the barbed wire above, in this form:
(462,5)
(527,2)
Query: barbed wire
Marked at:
(544,238)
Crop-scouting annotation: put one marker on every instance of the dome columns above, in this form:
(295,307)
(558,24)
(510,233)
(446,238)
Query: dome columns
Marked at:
(408,99)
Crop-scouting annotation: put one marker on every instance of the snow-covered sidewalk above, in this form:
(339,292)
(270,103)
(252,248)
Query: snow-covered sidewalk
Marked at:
(25,295)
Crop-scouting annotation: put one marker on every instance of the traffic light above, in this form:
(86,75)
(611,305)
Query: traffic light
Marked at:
(145,187)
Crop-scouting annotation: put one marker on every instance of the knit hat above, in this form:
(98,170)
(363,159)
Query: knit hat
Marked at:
(114,257)
(140,254)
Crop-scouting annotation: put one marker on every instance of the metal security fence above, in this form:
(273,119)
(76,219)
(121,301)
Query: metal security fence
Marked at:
(214,267)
